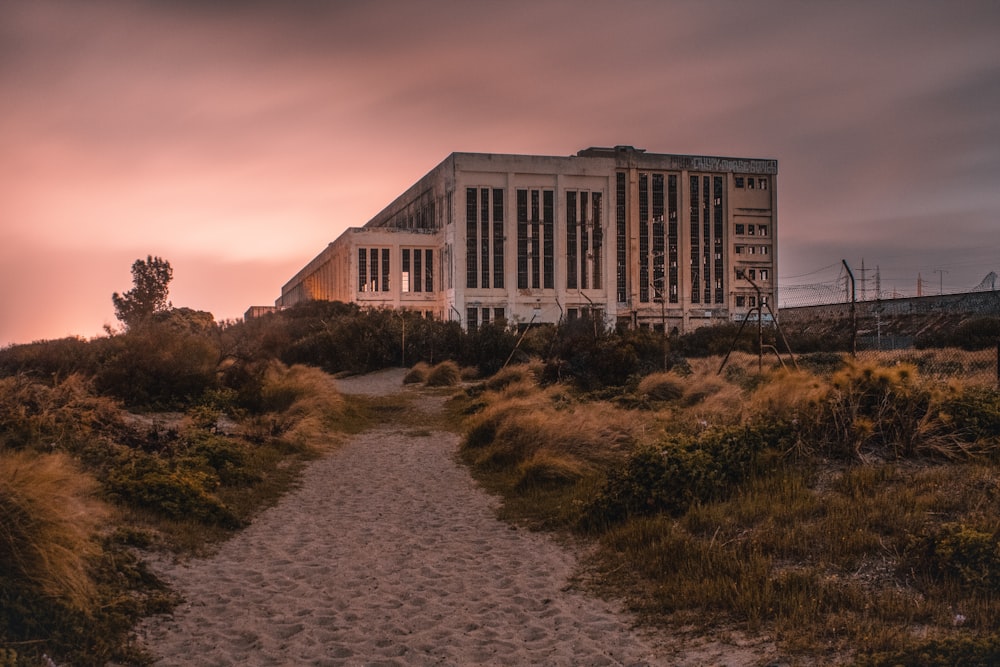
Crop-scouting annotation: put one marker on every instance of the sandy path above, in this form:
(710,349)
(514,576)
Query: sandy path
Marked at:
(388,554)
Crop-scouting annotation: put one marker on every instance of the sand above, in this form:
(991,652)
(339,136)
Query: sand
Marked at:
(389,554)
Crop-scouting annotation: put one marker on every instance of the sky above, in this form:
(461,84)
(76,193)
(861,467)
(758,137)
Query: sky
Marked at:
(237,139)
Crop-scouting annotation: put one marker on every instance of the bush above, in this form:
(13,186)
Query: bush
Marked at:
(164,365)
(873,408)
(175,493)
(445,374)
(661,387)
(417,374)
(963,556)
(670,477)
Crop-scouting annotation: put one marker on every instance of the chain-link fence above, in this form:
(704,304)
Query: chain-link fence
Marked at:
(946,335)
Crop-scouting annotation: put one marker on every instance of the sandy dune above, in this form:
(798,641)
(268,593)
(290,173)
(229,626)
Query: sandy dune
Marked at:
(389,554)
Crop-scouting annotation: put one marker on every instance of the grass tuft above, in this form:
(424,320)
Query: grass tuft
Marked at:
(49,518)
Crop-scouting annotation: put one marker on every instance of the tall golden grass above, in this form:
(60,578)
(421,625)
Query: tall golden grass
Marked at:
(49,518)
(303,404)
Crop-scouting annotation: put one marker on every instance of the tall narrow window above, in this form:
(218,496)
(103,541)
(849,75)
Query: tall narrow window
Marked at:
(385,269)
(706,240)
(362,269)
(571,257)
(417,273)
(621,239)
(548,230)
(659,254)
(535,239)
(522,239)
(695,242)
(672,240)
(428,270)
(597,240)
(644,238)
(472,318)
(471,227)
(484,237)
(404,275)
(498,234)
(584,240)
(717,232)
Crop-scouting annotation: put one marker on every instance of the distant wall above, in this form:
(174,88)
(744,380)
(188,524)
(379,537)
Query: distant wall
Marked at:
(970,303)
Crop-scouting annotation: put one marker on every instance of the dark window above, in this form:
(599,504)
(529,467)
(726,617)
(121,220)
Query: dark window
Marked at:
(719,219)
(471,225)
(597,240)
(522,239)
(643,238)
(584,239)
(739,181)
(497,238)
(472,318)
(417,282)
(740,228)
(548,226)
(385,269)
(499,314)
(362,269)
(672,240)
(621,240)
(428,270)
(695,242)
(659,239)
(571,257)
(484,237)
(536,241)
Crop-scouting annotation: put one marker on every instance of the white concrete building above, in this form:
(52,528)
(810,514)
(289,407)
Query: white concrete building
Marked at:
(642,239)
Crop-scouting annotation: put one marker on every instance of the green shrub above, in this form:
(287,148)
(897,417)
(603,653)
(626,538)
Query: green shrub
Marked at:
(174,493)
(670,477)
(973,413)
(161,365)
(964,556)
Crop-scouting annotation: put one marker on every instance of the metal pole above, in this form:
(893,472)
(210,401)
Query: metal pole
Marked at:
(854,312)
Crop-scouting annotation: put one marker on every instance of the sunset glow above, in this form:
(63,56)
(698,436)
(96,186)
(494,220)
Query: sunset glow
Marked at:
(237,139)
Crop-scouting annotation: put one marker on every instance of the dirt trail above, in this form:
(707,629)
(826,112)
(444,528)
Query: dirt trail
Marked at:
(388,554)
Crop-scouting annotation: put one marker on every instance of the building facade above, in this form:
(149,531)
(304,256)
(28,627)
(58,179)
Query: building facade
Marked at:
(638,239)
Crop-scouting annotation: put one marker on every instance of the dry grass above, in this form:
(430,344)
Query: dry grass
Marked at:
(445,374)
(851,557)
(49,518)
(661,386)
(304,406)
(417,374)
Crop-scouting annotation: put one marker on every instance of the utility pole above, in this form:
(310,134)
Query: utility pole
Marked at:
(941,273)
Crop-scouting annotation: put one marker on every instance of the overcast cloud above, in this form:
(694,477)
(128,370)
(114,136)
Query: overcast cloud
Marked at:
(237,139)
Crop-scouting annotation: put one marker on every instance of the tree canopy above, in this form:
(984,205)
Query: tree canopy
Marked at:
(150,278)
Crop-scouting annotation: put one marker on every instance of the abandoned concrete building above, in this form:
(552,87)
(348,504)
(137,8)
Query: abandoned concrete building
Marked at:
(638,239)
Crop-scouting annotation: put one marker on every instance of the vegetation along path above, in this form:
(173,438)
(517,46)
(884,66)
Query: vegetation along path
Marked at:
(388,553)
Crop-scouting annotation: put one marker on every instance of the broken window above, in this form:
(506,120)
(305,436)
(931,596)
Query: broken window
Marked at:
(535,239)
